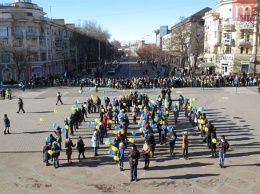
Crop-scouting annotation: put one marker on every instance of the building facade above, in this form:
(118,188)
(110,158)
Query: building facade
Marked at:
(230,43)
(52,51)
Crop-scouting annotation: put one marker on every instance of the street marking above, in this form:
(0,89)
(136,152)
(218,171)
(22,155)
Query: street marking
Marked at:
(179,92)
(143,174)
(225,98)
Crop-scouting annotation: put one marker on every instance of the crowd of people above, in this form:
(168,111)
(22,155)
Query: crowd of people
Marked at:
(150,117)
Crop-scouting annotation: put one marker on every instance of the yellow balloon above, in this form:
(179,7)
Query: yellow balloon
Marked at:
(97,127)
(130,90)
(202,121)
(115,132)
(123,90)
(102,110)
(67,127)
(172,88)
(42,119)
(141,130)
(140,106)
(120,96)
(116,158)
(107,143)
(78,101)
(92,123)
(55,111)
(124,104)
(151,153)
(97,120)
(131,140)
(206,129)
(72,108)
(50,152)
(115,149)
(214,140)
(114,108)
(110,121)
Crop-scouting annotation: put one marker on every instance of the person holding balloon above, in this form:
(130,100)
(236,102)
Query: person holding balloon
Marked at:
(172,136)
(95,142)
(121,154)
(58,132)
(46,155)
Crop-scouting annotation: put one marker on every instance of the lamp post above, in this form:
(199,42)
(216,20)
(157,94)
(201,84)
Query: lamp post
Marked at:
(151,47)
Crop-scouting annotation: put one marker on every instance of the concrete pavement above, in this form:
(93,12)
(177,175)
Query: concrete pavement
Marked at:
(234,115)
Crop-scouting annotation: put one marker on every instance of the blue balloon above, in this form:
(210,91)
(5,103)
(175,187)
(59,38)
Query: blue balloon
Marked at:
(116,127)
(154,87)
(159,111)
(202,108)
(134,133)
(110,152)
(88,88)
(68,121)
(139,125)
(89,124)
(81,92)
(173,137)
(169,128)
(63,130)
(141,110)
(48,139)
(104,98)
(112,93)
(54,125)
(109,139)
(144,89)
(115,114)
(104,91)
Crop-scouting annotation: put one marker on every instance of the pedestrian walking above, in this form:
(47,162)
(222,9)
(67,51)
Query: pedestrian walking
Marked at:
(133,161)
(80,148)
(7,124)
(146,154)
(68,145)
(185,144)
(223,146)
(59,95)
(20,105)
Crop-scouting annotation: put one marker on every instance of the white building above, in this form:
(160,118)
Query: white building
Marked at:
(230,45)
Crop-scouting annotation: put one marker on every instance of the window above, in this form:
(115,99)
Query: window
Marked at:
(29,14)
(30,29)
(5,58)
(3,31)
(242,50)
(247,50)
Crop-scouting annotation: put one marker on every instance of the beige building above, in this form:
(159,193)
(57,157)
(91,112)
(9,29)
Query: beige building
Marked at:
(50,40)
(230,45)
(186,39)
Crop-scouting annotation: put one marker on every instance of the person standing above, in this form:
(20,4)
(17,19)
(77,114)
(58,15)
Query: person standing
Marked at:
(185,145)
(68,145)
(9,93)
(121,155)
(81,148)
(146,154)
(223,146)
(95,140)
(20,105)
(7,124)
(133,161)
(172,136)
(59,98)
(3,93)
(59,136)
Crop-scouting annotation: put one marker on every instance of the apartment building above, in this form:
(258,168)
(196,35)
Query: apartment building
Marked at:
(187,39)
(52,51)
(231,42)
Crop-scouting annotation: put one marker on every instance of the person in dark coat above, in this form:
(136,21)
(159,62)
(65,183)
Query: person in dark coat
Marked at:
(68,145)
(3,93)
(20,106)
(7,124)
(172,136)
(133,161)
(59,98)
(223,146)
(80,147)
(59,136)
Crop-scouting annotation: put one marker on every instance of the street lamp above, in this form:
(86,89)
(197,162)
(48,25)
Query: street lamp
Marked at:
(151,46)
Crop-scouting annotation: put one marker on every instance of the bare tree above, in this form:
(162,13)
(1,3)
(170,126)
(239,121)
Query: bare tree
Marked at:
(19,53)
(94,30)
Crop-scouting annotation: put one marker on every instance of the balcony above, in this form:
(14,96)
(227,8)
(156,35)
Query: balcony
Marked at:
(245,26)
(245,42)
(31,34)
(228,42)
(229,27)
(5,16)
(18,34)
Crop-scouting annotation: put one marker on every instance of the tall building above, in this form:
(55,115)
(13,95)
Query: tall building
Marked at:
(231,38)
(23,26)
(187,39)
